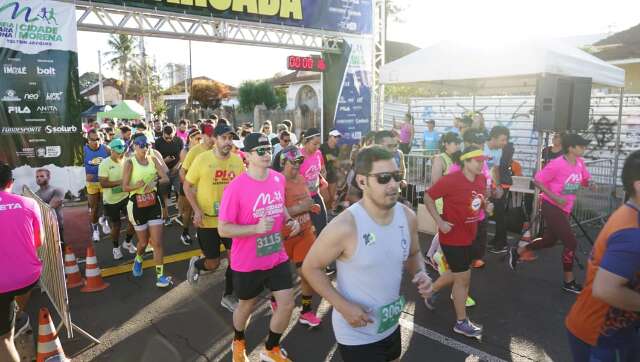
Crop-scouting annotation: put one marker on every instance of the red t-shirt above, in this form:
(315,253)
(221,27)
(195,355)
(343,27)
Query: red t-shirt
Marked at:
(463,201)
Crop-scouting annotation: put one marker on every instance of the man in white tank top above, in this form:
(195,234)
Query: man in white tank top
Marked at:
(371,245)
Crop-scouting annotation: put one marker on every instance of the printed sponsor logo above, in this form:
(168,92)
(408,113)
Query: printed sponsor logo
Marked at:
(47,109)
(50,71)
(20,130)
(10,96)
(268,204)
(44,60)
(54,96)
(35,120)
(12,69)
(19,110)
(60,129)
(31,96)
(6,30)
(49,151)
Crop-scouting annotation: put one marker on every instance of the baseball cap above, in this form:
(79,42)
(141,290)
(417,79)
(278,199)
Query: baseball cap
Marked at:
(573,139)
(254,140)
(222,129)
(475,136)
(451,137)
(207,129)
(141,140)
(311,132)
(477,154)
(291,153)
(118,145)
(335,133)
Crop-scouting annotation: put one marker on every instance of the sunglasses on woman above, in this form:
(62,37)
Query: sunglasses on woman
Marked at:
(384,178)
(263,151)
(297,162)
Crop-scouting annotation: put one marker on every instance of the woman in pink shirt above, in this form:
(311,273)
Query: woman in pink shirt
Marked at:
(406,134)
(559,182)
(20,266)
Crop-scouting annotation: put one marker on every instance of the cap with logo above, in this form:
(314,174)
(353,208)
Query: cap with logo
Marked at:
(254,140)
(335,133)
(118,145)
(573,139)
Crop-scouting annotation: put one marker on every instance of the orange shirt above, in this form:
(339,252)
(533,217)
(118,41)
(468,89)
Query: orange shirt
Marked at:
(295,192)
(592,320)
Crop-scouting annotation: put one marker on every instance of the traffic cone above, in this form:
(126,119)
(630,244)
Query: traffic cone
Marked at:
(48,342)
(71,270)
(528,255)
(94,279)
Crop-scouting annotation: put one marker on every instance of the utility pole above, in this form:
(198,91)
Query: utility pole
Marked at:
(190,82)
(147,98)
(100,86)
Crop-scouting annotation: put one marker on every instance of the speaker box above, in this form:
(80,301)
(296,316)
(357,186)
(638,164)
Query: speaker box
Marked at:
(562,103)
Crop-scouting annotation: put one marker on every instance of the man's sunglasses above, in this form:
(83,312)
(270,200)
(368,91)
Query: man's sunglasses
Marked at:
(94,139)
(383,178)
(263,151)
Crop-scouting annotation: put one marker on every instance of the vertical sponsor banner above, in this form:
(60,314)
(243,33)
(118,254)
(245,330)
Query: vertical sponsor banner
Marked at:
(352,115)
(39,88)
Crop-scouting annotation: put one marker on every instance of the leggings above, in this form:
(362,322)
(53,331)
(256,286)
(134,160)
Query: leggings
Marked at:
(557,228)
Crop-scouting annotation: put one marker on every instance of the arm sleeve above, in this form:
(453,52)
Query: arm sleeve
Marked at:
(440,189)
(622,256)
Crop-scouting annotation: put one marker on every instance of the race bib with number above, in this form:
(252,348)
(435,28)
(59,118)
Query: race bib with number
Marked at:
(570,189)
(146,200)
(268,244)
(389,314)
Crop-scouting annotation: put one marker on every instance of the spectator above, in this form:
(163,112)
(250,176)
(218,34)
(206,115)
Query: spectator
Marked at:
(292,133)
(267,130)
(51,195)
(330,154)
(407,132)
(553,151)
(169,147)
(431,138)
(493,149)
(20,267)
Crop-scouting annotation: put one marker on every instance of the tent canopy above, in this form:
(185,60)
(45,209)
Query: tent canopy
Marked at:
(127,109)
(94,110)
(484,68)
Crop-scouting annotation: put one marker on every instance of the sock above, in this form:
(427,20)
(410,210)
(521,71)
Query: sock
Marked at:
(306,303)
(128,237)
(238,335)
(115,243)
(199,264)
(94,226)
(139,258)
(228,281)
(273,340)
(159,270)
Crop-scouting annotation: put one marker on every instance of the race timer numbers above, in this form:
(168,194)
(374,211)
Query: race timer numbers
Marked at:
(308,64)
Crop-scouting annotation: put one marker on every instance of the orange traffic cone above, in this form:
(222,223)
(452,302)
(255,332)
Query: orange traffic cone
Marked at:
(94,279)
(71,270)
(528,255)
(48,342)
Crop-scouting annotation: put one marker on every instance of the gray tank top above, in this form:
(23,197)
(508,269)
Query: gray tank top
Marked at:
(371,278)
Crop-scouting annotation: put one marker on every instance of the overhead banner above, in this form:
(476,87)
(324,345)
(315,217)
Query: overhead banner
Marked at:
(343,16)
(352,115)
(39,88)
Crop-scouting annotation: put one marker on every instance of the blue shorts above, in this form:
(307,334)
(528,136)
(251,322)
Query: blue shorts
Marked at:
(584,352)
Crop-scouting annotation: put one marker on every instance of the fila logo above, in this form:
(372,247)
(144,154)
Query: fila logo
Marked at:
(45,71)
(19,110)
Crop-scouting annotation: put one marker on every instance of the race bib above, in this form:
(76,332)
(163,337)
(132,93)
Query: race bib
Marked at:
(570,189)
(268,244)
(116,190)
(389,315)
(146,200)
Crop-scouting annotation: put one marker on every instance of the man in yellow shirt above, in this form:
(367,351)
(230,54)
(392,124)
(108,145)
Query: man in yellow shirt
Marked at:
(207,177)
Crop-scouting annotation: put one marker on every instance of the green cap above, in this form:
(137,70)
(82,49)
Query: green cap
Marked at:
(118,145)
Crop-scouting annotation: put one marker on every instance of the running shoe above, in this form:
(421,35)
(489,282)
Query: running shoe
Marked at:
(193,273)
(148,249)
(168,222)
(309,318)
(137,268)
(128,246)
(498,249)
(276,354)
(477,264)
(105,225)
(513,258)
(470,302)
(163,281)
(229,302)
(117,254)
(430,302)
(572,287)
(467,328)
(95,236)
(185,238)
(239,351)
(22,324)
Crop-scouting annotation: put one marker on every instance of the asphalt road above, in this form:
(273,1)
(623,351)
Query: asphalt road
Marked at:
(522,313)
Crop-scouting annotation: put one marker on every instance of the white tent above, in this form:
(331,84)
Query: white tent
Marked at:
(485,68)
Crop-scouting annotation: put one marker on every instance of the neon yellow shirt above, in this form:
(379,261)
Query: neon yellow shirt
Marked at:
(112,170)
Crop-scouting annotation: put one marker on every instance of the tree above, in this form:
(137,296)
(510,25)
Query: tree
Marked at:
(208,93)
(281,96)
(138,84)
(122,52)
(159,108)
(88,79)
(251,94)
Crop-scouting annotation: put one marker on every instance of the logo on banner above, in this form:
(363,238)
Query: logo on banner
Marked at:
(6,30)
(19,110)
(49,151)
(31,96)
(10,96)
(31,23)
(51,71)
(12,69)
(54,96)
(60,129)
(47,109)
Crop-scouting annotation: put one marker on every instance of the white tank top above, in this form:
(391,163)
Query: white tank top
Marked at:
(371,278)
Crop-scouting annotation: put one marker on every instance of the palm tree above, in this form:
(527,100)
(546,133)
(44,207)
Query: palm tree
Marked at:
(122,51)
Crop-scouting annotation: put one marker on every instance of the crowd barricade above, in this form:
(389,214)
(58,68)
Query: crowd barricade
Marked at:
(595,206)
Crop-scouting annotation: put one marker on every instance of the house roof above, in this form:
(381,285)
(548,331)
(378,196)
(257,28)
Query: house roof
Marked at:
(94,88)
(233,91)
(621,45)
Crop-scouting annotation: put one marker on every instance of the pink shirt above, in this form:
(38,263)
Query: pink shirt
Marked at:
(485,172)
(405,133)
(310,170)
(563,179)
(183,135)
(20,222)
(244,202)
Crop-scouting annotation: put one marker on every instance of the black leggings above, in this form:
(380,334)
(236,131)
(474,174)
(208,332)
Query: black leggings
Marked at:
(557,228)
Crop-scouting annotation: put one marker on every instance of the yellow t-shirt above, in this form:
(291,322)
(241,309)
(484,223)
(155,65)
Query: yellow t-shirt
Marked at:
(113,172)
(211,175)
(192,154)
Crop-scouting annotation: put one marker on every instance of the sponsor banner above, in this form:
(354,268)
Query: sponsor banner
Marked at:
(344,16)
(352,115)
(39,92)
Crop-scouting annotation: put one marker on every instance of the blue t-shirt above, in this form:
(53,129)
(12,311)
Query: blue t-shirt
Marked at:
(494,156)
(431,140)
(92,159)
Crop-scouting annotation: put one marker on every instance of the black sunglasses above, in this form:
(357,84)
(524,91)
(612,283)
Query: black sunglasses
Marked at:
(383,178)
(263,151)
(298,161)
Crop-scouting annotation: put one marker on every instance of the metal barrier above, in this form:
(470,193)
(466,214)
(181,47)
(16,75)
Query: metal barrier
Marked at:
(418,167)
(596,206)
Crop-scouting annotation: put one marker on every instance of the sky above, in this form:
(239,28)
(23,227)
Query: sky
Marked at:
(423,23)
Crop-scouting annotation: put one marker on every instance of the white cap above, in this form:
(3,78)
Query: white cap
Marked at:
(335,133)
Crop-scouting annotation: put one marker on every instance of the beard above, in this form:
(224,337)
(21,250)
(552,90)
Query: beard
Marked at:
(382,202)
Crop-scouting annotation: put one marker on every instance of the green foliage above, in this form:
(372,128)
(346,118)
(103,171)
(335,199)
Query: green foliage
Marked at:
(251,94)
(122,51)
(208,93)
(281,96)
(88,79)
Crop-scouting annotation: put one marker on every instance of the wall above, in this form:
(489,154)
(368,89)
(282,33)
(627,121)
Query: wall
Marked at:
(293,89)
(111,96)
(516,113)
(631,77)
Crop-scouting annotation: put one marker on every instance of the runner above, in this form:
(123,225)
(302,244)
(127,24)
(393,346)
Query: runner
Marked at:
(463,194)
(371,244)
(312,169)
(115,199)
(603,323)
(300,206)
(330,153)
(144,207)
(559,182)
(253,213)
(94,153)
(208,177)
(195,136)
(169,146)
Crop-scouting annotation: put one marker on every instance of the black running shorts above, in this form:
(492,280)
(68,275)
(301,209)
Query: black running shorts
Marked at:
(210,242)
(115,211)
(458,257)
(388,349)
(8,308)
(248,285)
(141,218)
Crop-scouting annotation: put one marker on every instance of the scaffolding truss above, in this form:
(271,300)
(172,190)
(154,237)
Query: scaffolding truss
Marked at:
(379,43)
